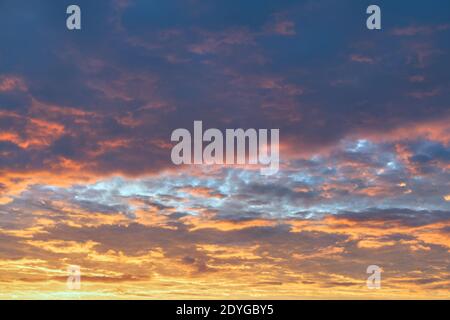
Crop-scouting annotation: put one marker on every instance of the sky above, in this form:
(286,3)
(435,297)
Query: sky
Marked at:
(86,177)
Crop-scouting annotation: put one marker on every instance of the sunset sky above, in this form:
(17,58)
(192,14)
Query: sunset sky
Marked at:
(86,176)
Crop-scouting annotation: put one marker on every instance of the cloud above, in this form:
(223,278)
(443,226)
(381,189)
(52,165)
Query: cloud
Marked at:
(419,30)
(361,59)
(86,176)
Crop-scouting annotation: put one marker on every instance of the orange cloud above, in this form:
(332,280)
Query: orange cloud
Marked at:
(203,192)
(9,83)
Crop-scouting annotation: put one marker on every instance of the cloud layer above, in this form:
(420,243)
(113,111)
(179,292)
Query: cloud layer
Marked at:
(85,171)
